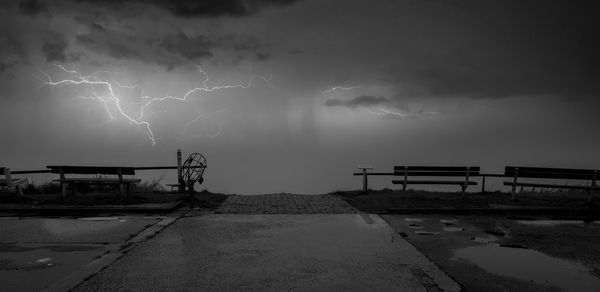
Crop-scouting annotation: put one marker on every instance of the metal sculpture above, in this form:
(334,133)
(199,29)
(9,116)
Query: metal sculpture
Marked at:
(192,170)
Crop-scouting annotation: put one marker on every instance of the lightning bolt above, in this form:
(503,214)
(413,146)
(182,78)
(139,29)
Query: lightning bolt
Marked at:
(335,88)
(389,112)
(206,117)
(112,103)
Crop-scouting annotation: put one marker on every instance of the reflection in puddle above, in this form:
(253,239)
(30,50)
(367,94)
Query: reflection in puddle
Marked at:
(530,265)
(453,229)
(488,239)
(448,222)
(423,232)
(549,222)
(98,218)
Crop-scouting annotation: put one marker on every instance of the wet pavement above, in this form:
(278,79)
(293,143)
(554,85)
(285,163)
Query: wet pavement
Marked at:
(37,252)
(322,252)
(480,253)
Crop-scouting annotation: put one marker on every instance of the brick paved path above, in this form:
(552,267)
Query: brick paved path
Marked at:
(285,204)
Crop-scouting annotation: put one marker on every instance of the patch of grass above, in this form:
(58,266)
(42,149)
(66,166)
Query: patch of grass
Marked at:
(378,201)
(207,200)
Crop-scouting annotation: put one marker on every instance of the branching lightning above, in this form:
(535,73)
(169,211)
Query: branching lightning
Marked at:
(387,110)
(107,92)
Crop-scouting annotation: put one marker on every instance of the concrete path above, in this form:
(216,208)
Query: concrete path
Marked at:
(226,252)
(35,253)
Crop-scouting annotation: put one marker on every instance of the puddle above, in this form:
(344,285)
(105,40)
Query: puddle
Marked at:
(423,232)
(43,260)
(413,219)
(530,265)
(448,222)
(549,222)
(453,229)
(498,231)
(20,263)
(488,239)
(98,218)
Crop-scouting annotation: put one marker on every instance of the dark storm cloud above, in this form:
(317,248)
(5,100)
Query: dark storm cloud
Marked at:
(190,48)
(54,47)
(359,101)
(191,8)
(31,7)
(115,48)
(206,8)
(168,50)
(498,49)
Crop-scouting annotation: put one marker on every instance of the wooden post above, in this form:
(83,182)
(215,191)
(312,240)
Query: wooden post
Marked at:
(514,186)
(121,186)
(63,184)
(364,169)
(10,184)
(180,187)
(365,181)
(466,185)
(593,186)
(8,176)
(483,185)
(405,178)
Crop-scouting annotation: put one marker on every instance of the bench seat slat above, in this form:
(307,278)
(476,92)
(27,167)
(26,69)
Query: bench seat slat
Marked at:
(436,168)
(520,184)
(549,175)
(98,180)
(92,169)
(433,182)
(436,173)
(551,170)
(541,172)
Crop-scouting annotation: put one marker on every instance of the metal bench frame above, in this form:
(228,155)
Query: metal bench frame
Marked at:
(437,171)
(517,172)
(124,183)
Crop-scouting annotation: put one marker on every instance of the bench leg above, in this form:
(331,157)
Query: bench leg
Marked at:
(483,185)
(63,189)
(19,190)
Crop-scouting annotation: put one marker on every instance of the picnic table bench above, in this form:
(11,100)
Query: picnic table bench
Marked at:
(118,171)
(11,182)
(436,171)
(516,172)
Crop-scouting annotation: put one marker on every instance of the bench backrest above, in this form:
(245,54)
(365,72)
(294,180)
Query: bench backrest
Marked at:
(546,172)
(66,169)
(436,170)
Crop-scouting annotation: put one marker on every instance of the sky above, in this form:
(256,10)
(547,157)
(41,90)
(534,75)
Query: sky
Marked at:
(291,96)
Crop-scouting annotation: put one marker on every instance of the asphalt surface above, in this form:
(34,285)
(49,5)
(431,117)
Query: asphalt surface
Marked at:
(319,252)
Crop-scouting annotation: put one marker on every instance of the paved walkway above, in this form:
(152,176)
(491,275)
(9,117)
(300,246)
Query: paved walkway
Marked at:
(285,204)
(233,252)
(35,253)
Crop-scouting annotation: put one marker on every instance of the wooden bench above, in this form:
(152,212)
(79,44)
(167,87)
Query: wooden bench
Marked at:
(124,183)
(436,171)
(11,182)
(516,172)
